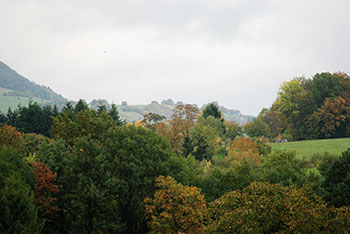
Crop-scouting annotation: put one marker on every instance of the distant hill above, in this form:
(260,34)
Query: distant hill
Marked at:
(132,113)
(235,115)
(16,89)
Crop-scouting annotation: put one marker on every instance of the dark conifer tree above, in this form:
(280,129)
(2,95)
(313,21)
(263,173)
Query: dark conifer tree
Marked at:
(68,110)
(81,106)
(12,117)
(212,109)
(101,108)
(55,111)
(114,113)
(3,118)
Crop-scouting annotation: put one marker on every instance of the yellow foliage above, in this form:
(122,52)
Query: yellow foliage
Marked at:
(30,158)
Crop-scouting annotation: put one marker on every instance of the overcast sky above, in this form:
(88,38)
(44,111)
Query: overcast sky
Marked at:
(235,52)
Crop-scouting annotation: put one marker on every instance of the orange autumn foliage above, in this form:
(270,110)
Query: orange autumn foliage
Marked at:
(179,127)
(332,116)
(44,188)
(176,208)
(244,144)
(244,148)
(9,136)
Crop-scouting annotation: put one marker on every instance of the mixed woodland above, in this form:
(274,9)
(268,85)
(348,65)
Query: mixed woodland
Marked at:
(79,170)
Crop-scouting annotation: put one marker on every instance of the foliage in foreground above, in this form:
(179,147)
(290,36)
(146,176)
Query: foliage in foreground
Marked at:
(258,208)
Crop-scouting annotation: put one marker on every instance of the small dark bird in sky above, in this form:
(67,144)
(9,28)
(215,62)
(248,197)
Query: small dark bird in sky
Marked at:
(104,51)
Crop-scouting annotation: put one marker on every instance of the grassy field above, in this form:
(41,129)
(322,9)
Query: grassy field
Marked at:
(13,102)
(308,148)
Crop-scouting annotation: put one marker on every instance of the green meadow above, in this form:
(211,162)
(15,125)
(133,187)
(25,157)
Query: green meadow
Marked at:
(308,148)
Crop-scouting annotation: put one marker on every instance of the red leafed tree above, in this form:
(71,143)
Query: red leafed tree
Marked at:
(44,189)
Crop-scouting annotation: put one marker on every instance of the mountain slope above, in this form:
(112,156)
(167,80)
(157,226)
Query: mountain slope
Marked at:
(16,89)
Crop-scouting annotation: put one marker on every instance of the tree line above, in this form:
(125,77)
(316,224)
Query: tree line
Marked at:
(314,108)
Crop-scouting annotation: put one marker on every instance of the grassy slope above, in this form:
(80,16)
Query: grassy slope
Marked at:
(308,148)
(13,102)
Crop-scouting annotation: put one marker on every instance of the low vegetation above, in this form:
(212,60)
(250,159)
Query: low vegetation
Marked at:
(308,148)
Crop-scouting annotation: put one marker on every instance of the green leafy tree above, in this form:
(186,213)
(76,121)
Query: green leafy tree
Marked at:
(257,128)
(85,123)
(276,122)
(91,189)
(205,141)
(30,143)
(55,154)
(18,213)
(336,185)
(232,130)
(286,169)
(287,101)
(226,176)
(323,85)
(282,168)
(213,123)
(139,156)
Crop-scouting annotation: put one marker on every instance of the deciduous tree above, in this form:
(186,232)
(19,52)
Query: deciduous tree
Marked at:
(176,208)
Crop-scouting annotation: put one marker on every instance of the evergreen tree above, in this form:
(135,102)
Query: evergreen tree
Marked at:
(34,119)
(114,113)
(12,117)
(101,108)
(3,118)
(55,111)
(68,110)
(212,109)
(187,146)
(80,106)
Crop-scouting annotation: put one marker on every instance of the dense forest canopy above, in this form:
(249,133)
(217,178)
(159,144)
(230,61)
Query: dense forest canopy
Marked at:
(79,170)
